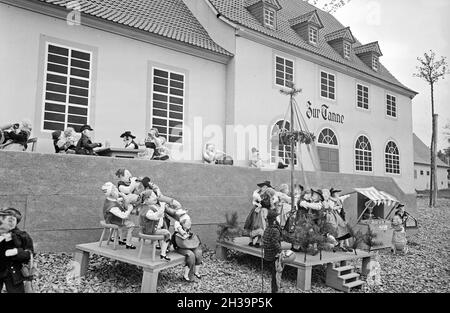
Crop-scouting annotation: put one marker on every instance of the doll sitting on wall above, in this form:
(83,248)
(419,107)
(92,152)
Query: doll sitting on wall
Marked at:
(399,242)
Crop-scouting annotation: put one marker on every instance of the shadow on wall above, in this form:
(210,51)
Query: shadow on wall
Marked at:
(61,198)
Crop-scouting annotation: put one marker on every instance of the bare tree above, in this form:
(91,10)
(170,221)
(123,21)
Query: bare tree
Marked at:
(431,70)
(330,6)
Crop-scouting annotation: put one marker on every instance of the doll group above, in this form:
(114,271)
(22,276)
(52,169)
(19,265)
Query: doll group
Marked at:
(153,213)
(312,207)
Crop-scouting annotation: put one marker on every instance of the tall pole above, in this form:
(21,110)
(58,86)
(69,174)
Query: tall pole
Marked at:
(292,153)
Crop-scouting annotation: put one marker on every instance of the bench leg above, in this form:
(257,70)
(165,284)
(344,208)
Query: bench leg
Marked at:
(82,263)
(149,281)
(221,253)
(101,238)
(109,236)
(304,278)
(141,248)
(365,266)
(154,243)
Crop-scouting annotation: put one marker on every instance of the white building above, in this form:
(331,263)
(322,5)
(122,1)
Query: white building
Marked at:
(206,71)
(422,167)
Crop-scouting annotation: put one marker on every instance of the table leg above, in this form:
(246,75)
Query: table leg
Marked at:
(365,265)
(221,252)
(304,277)
(81,262)
(149,281)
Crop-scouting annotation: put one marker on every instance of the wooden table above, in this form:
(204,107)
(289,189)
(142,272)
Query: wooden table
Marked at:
(304,269)
(150,269)
(119,152)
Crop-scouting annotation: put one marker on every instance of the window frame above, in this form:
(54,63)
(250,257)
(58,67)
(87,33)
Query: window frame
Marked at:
(347,56)
(375,63)
(393,155)
(47,42)
(278,146)
(368,97)
(269,11)
(161,67)
(371,155)
(394,98)
(313,33)
(335,85)
(327,145)
(284,70)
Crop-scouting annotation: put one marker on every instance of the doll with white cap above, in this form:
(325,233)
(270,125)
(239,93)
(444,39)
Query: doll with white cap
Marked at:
(117,213)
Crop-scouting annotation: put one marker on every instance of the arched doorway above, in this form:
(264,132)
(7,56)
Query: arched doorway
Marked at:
(328,151)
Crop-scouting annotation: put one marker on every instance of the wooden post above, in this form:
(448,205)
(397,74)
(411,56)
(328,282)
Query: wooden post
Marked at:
(221,252)
(82,260)
(304,277)
(149,281)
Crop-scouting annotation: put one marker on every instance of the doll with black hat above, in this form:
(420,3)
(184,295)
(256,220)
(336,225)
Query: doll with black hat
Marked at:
(85,145)
(128,139)
(158,144)
(255,222)
(16,249)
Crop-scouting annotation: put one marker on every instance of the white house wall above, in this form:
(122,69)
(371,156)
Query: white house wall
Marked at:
(422,181)
(121,88)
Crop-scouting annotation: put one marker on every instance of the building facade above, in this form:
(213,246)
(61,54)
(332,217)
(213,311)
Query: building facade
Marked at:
(422,170)
(211,72)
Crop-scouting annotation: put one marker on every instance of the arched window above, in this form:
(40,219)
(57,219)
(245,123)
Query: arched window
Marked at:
(392,158)
(363,154)
(328,151)
(278,151)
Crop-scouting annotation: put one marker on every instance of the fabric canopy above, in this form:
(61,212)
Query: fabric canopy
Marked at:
(378,197)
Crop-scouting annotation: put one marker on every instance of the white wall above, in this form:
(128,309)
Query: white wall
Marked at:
(422,182)
(259,102)
(121,86)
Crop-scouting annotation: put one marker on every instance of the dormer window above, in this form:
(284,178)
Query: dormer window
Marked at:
(347,48)
(307,26)
(375,63)
(265,11)
(313,35)
(269,17)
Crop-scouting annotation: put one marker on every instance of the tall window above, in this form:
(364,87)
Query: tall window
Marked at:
(313,35)
(327,85)
(168,102)
(269,17)
(375,63)
(284,71)
(278,151)
(347,48)
(328,151)
(363,154)
(391,106)
(67,87)
(362,96)
(392,158)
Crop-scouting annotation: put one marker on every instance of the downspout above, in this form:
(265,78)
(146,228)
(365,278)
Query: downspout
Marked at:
(220,16)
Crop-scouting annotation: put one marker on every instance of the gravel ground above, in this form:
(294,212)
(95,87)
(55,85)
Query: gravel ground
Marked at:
(424,269)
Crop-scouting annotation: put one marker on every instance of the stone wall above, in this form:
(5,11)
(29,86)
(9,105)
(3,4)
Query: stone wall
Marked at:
(61,198)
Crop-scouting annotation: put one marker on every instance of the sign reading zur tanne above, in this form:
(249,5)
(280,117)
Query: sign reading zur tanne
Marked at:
(325,113)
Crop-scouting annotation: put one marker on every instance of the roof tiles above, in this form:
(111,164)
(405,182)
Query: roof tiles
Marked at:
(168,18)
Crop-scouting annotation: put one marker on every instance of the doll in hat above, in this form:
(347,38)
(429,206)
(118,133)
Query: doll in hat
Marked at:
(334,218)
(85,145)
(118,213)
(400,211)
(15,136)
(255,222)
(399,241)
(283,205)
(128,140)
(16,249)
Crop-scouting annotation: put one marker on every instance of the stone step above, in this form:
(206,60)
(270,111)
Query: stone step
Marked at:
(354,284)
(344,268)
(349,276)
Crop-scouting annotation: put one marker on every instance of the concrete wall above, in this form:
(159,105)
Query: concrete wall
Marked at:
(61,198)
(259,103)
(121,91)
(422,181)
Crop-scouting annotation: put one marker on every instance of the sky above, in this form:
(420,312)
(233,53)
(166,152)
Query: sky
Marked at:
(405,30)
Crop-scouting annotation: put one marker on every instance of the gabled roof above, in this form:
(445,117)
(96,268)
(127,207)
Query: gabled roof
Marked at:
(234,11)
(169,18)
(310,17)
(344,33)
(273,3)
(422,153)
(370,47)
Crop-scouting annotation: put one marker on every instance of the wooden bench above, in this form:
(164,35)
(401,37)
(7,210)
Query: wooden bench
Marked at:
(151,268)
(304,269)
